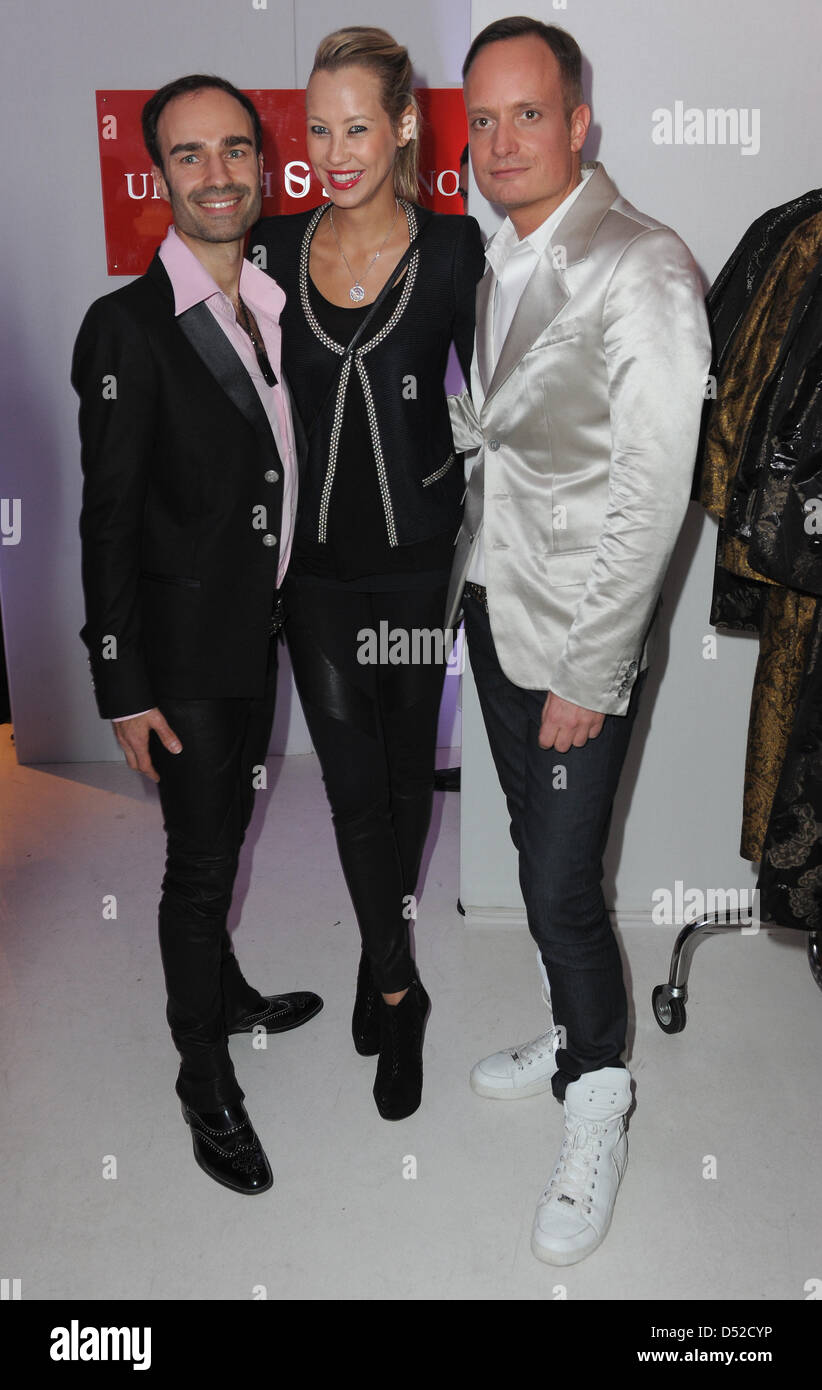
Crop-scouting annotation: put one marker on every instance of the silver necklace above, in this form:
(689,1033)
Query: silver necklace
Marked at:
(357,292)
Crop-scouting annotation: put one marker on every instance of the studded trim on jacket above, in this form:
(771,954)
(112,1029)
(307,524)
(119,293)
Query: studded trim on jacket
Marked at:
(357,358)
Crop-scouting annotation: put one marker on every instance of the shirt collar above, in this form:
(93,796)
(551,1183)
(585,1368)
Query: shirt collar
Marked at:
(192,283)
(506,242)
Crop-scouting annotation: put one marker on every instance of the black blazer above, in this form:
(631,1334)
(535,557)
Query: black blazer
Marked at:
(421,475)
(175,450)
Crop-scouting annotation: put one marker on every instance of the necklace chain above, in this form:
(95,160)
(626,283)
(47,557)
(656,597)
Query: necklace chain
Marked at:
(260,353)
(357,292)
(246,320)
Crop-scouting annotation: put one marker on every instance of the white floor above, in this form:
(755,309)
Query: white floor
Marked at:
(88,1071)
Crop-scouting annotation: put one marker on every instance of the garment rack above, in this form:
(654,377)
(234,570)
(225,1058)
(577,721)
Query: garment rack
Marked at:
(668,1000)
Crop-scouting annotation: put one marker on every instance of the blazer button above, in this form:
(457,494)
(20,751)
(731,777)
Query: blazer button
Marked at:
(493,444)
(272,476)
(269,539)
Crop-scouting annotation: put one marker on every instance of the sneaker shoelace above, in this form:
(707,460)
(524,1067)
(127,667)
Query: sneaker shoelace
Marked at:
(571,1181)
(533,1051)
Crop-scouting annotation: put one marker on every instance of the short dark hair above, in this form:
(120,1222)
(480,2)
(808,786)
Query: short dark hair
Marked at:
(182,86)
(564,47)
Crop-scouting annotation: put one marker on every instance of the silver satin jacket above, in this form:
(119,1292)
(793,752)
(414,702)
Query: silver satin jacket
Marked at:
(588,436)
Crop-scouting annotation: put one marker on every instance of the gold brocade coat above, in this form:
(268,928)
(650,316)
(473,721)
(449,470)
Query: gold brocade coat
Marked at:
(779,818)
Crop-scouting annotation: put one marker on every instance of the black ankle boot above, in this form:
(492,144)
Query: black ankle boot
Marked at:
(398,1086)
(365,1020)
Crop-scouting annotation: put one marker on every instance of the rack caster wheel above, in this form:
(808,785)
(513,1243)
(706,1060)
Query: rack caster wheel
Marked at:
(669,1013)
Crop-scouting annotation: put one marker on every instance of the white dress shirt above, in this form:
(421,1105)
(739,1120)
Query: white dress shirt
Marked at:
(513,262)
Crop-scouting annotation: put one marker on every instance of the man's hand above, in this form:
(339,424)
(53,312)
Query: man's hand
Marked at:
(132,736)
(565,725)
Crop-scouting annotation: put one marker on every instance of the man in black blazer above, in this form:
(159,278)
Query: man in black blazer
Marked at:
(189,460)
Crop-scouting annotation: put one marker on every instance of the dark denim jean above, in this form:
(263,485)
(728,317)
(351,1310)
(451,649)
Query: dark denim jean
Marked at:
(560,807)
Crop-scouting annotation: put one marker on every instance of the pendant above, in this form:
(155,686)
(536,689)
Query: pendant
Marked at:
(356,292)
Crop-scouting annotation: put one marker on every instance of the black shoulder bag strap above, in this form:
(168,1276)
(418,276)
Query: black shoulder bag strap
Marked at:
(386,290)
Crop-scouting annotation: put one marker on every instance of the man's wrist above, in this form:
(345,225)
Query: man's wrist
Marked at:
(121,718)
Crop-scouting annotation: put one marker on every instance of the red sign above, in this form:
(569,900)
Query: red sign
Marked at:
(136,217)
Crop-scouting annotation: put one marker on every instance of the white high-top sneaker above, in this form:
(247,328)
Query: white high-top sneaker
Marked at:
(524,1070)
(574,1212)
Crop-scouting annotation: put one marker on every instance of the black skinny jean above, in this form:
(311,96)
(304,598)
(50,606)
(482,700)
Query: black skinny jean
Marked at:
(207,795)
(374,728)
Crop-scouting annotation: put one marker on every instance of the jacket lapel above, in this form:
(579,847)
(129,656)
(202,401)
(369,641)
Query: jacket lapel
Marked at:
(485,290)
(543,297)
(212,346)
(546,292)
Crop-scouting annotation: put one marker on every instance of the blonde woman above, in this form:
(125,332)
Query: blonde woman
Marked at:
(380,502)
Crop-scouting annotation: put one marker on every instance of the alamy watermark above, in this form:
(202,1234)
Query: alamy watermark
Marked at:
(415,646)
(685,905)
(715,125)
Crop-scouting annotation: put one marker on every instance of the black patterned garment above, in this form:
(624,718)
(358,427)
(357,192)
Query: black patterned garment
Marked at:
(763,481)
(790,873)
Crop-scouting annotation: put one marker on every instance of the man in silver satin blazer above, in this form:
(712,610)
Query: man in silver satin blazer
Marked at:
(580,430)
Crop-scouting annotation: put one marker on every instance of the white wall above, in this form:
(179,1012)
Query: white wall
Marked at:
(55,53)
(683,790)
(679,810)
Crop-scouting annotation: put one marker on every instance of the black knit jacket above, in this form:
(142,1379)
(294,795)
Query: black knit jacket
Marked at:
(401,367)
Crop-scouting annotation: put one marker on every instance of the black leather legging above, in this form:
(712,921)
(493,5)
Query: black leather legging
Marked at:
(374,728)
